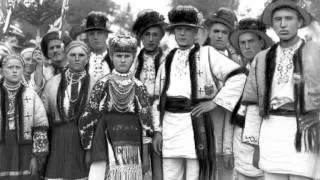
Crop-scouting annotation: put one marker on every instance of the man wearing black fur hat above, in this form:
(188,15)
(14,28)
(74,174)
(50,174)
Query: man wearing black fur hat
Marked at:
(97,29)
(190,99)
(282,94)
(149,28)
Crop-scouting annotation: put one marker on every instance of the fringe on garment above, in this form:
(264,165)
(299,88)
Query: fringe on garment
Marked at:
(124,172)
(128,164)
(309,134)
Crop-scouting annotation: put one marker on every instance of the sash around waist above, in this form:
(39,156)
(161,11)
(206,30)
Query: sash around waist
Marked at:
(181,104)
(178,105)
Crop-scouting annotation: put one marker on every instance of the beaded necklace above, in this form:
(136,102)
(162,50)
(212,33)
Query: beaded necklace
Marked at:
(122,91)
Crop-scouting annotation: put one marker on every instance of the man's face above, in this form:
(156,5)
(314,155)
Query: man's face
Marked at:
(219,34)
(250,44)
(56,51)
(97,39)
(185,36)
(286,23)
(29,63)
(151,38)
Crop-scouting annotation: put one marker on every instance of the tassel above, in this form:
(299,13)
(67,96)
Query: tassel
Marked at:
(297,142)
(124,172)
(311,133)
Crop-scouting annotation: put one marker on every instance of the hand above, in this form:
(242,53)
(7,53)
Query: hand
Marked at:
(37,56)
(33,166)
(157,143)
(146,160)
(228,161)
(87,158)
(203,107)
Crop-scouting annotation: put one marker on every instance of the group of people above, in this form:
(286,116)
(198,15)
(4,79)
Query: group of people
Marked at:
(238,107)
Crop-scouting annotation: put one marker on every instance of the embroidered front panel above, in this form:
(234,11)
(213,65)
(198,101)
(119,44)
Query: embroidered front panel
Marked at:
(148,73)
(180,83)
(11,109)
(282,84)
(97,66)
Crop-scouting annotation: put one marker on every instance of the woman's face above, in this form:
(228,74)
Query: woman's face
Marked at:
(30,64)
(12,71)
(122,61)
(77,59)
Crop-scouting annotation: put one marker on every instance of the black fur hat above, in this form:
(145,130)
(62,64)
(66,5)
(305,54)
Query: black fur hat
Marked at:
(183,15)
(146,19)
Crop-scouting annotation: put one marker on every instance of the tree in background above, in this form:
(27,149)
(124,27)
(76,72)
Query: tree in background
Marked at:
(124,18)
(207,6)
(79,9)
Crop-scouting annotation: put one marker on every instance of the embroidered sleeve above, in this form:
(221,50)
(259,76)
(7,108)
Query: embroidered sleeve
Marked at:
(229,72)
(89,118)
(158,90)
(144,112)
(227,136)
(251,131)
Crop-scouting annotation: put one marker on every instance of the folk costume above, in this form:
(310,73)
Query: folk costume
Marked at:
(282,94)
(51,70)
(145,69)
(99,64)
(228,18)
(186,78)
(243,153)
(223,129)
(115,121)
(23,130)
(65,97)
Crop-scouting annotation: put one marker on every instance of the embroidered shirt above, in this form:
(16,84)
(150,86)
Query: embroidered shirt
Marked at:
(180,83)
(97,66)
(148,73)
(115,93)
(282,84)
(11,109)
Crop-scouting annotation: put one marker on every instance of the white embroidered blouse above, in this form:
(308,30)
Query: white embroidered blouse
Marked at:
(282,84)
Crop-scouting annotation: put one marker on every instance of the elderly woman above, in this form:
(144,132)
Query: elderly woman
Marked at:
(64,97)
(23,125)
(119,107)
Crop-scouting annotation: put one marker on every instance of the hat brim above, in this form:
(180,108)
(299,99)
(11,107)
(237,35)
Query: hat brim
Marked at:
(211,21)
(234,38)
(267,13)
(172,26)
(97,28)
